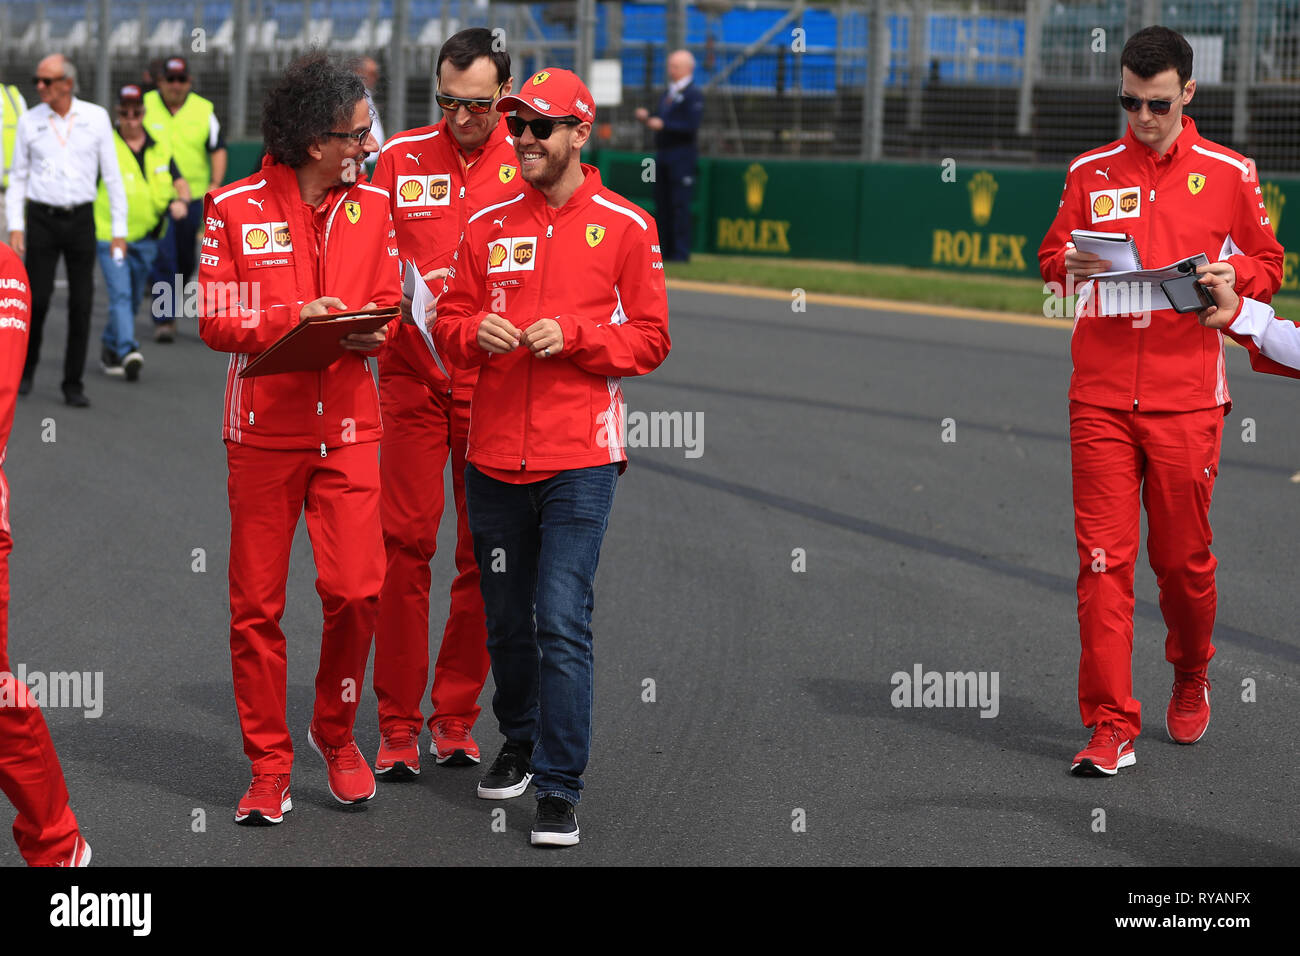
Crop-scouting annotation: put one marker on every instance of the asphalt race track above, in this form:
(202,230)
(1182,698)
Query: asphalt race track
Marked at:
(771,737)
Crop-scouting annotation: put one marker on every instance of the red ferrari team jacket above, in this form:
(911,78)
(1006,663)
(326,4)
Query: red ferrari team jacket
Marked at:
(1198,197)
(15,326)
(433,188)
(595,267)
(265,255)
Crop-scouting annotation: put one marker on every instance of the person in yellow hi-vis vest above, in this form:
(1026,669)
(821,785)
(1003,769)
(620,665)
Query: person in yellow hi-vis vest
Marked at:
(154,189)
(12,106)
(189,122)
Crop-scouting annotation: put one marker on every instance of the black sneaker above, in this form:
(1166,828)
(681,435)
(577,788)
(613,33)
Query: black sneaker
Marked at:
(556,823)
(509,774)
(132,364)
(110,363)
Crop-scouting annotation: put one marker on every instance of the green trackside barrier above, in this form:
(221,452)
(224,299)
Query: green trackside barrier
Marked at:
(630,175)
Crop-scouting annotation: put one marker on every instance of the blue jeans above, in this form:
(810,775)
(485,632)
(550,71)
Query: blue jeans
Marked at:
(537,547)
(127,283)
(177,255)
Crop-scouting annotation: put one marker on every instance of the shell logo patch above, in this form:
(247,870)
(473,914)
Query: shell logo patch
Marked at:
(541,78)
(1102,206)
(506,173)
(518,254)
(262,237)
(411,190)
(256,239)
(1122,203)
(353,210)
(1195,182)
(595,233)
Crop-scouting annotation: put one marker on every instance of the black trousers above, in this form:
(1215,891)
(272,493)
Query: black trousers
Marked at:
(674,188)
(72,235)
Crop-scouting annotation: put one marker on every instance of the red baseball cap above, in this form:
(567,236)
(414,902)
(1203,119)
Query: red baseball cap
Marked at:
(552,92)
(130,95)
(176,65)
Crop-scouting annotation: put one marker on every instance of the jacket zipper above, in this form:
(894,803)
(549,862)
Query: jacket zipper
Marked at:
(528,388)
(320,284)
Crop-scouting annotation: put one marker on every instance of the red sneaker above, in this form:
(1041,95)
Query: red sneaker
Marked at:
(266,800)
(1189,707)
(1105,754)
(399,753)
(350,779)
(452,744)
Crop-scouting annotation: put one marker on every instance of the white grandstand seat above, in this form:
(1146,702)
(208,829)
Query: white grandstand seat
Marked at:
(431,33)
(125,37)
(166,37)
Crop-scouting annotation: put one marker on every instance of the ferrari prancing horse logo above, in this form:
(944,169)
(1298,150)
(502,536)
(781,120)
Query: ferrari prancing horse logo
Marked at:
(594,234)
(507,172)
(353,209)
(1195,182)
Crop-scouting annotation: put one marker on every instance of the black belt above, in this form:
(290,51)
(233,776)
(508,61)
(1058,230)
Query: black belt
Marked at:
(59,210)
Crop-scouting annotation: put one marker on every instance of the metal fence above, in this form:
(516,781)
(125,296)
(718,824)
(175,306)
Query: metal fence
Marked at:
(1013,81)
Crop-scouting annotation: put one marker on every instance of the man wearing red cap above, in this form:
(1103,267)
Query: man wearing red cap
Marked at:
(189,123)
(30,776)
(554,295)
(154,189)
(436,176)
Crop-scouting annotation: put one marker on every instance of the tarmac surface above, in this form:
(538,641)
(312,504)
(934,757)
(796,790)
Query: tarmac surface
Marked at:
(824,538)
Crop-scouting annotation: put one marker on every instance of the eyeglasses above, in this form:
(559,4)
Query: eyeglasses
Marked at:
(542,127)
(450,104)
(177,78)
(359,136)
(1133,104)
(46,80)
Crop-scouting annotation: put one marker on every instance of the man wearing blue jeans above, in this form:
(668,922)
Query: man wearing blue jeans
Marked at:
(546,426)
(154,188)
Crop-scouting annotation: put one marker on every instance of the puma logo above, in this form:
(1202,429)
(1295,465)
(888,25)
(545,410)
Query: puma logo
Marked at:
(258,204)
(415,157)
(1105,175)
(500,223)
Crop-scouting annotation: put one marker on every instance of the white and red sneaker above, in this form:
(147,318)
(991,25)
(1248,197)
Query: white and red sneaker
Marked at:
(350,779)
(80,855)
(265,802)
(399,753)
(452,744)
(1106,753)
(1188,714)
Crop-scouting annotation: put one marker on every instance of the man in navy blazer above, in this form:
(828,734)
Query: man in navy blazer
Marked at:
(676,123)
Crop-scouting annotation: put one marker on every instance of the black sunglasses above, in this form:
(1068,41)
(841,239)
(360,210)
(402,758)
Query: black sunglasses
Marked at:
(1133,104)
(359,136)
(542,127)
(450,104)
(43,80)
(177,78)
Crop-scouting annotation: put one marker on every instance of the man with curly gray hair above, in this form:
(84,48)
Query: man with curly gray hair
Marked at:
(299,238)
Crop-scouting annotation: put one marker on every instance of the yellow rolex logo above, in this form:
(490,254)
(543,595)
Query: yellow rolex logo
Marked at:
(1195,182)
(983,187)
(755,184)
(1274,200)
(353,209)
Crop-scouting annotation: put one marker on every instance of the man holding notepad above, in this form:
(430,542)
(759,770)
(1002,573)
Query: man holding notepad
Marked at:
(296,240)
(1148,396)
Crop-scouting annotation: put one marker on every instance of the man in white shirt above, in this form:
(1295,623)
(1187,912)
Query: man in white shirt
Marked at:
(64,147)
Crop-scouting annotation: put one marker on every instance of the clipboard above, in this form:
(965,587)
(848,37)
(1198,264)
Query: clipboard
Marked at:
(313,343)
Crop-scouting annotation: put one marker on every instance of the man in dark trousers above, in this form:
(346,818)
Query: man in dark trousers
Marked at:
(676,123)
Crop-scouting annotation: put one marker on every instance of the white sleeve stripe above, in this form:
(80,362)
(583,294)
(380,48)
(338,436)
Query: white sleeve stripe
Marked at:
(486,209)
(374,189)
(1223,157)
(623,209)
(1087,159)
(406,139)
(221,197)
(1229,248)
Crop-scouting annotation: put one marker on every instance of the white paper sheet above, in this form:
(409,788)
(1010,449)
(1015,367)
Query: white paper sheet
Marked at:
(417,290)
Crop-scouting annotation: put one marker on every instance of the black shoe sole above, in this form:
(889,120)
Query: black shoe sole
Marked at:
(505,793)
(397,773)
(457,759)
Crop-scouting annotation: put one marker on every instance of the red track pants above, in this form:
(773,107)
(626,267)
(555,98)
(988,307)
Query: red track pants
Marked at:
(423,426)
(45,829)
(1170,460)
(268,491)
